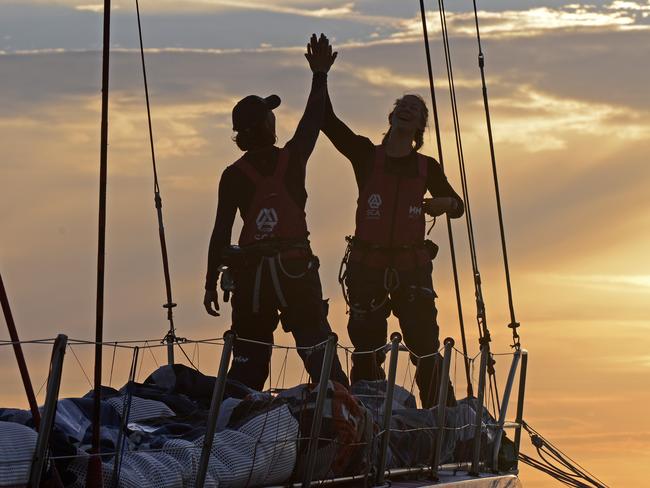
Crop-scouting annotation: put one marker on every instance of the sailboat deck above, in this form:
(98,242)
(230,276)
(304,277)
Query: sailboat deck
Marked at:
(448,478)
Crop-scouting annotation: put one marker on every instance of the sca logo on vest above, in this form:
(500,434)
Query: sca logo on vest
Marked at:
(374,202)
(414,212)
(266,221)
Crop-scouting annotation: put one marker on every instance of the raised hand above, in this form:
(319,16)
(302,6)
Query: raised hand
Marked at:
(319,54)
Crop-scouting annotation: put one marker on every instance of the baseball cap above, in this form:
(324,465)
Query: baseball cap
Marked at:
(251,110)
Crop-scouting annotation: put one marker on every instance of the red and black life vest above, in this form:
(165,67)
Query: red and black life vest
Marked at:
(272,214)
(390,221)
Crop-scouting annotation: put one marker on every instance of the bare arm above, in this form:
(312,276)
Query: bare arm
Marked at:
(220,239)
(320,57)
(445,200)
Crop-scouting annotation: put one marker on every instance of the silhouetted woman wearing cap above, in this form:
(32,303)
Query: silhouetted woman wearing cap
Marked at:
(274,272)
(389,263)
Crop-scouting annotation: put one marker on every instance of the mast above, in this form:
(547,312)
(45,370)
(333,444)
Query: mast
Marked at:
(94,466)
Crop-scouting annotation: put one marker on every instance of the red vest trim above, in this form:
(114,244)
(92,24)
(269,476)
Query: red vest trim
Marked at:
(272,214)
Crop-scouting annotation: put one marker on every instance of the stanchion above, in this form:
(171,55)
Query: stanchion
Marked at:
(49,410)
(442,407)
(330,353)
(520,403)
(395,339)
(504,409)
(485,354)
(215,405)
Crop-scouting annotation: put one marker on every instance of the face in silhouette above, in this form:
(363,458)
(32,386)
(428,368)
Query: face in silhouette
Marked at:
(269,122)
(408,116)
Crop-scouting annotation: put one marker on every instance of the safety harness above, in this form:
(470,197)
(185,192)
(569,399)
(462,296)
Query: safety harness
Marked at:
(273,214)
(265,254)
(392,281)
(390,227)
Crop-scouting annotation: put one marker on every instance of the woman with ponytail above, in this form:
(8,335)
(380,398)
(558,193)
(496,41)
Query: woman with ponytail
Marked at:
(388,264)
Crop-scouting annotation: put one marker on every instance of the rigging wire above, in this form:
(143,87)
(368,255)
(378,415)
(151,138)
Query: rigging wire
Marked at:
(481,316)
(514,325)
(170,337)
(559,466)
(452,248)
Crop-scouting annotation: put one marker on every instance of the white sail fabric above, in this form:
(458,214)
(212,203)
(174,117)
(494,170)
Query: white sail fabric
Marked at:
(17,445)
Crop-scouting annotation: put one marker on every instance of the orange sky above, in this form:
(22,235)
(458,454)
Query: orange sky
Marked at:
(571,119)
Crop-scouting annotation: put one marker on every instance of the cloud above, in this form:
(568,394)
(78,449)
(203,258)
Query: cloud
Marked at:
(323,12)
(385,77)
(622,5)
(97,8)
(533,119)
(531,22)
(609,282)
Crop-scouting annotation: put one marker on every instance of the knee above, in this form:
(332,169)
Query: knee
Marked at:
(417,302)
(367,332)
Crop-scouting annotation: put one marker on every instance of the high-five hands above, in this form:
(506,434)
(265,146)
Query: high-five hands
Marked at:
(319,54)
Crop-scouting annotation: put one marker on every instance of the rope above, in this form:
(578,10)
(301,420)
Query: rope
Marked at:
(186,356)
(514,325)
(153,356)
(170,338)
(80,365)
(481,316)
(452,248)
(568,472)
(480,304)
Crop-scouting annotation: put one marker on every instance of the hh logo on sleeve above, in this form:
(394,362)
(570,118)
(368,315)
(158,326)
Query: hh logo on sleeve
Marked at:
(415,211)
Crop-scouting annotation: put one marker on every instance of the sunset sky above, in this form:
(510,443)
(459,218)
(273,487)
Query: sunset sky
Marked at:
(568,87)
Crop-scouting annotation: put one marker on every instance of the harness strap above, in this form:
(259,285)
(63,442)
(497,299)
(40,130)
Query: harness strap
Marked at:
(257,287)
(249,170)
(275,279)
(391,283)
(283,164)
(255,176)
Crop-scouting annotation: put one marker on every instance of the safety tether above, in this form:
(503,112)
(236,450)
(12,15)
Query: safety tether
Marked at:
(481,315)
(514,325)
(452,248)
(170,338)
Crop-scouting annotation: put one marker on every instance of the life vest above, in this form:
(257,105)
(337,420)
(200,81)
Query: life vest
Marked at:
(390,220)
(272,214)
